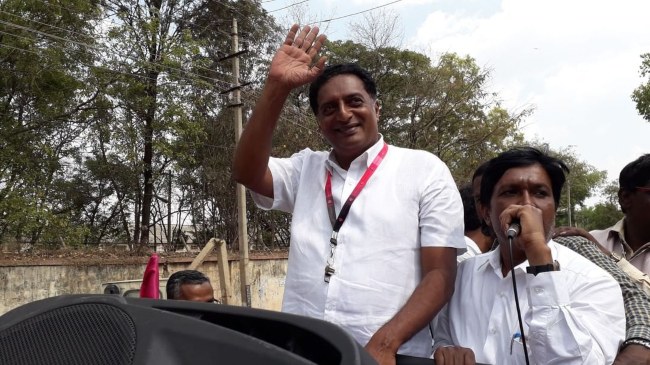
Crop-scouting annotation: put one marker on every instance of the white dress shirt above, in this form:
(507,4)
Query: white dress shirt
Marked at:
(410,202)
(571,316)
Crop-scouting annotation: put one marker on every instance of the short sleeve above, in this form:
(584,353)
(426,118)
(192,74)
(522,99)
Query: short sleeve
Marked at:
(286,177)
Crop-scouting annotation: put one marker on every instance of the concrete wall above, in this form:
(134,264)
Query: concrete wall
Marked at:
(23,284)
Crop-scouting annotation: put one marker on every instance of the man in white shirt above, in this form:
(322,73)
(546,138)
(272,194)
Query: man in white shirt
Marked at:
(572,311)
(375,228)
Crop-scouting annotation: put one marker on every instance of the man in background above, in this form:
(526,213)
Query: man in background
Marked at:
(190,285)
(480,242)
(629,238)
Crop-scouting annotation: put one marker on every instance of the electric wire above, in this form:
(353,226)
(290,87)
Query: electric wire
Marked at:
(113,23)
(182,71)
(514,288)
(349,15)
(288,6)
(357,13)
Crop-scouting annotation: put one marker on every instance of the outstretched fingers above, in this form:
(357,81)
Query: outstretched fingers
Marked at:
(316,46)
(309,39)
(302,36)
(291,35)
(292,61)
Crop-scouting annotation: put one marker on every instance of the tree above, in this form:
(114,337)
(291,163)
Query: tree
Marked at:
(582,182)
(47,98)
(603,214)
(152,85)
(100,101)
(641,94)
(379,29)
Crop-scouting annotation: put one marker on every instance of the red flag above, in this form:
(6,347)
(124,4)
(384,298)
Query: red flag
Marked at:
(149,287)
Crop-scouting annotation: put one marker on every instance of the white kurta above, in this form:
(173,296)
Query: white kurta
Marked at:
(410,202)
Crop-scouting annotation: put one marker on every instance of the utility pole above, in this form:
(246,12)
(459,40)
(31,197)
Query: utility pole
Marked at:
(241,191)
(170,236)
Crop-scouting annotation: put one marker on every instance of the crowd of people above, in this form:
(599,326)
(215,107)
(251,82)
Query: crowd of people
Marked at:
(377,231)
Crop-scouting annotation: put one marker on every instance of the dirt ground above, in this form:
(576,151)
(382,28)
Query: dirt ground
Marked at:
(93,255)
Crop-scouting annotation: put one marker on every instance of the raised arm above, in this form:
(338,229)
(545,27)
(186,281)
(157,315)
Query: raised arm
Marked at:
(291,67)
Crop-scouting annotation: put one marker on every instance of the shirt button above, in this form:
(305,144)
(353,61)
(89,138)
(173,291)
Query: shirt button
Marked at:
(493,330)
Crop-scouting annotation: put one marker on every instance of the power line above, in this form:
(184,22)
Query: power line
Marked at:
(288,6)
(100,67)
(185,21)
(48,34)
(347,15)
(45,24)
(226,83)
(18,49)
(357,13)
(118,25)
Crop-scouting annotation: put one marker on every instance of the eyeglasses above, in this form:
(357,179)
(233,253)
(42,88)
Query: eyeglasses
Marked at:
(644,189)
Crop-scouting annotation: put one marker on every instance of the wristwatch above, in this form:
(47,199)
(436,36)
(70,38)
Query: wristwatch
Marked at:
(555,266)
(636,341)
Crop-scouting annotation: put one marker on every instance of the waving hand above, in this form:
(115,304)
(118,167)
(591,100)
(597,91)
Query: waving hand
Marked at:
(292,64)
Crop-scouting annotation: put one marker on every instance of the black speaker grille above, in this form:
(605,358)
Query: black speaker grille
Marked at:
(88,333)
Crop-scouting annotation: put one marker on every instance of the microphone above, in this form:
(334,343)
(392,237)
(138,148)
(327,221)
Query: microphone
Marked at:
(513,229)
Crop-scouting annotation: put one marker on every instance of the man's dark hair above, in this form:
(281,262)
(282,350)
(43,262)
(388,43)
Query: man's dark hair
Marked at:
(635,174)
(522,157)
(181,278)
(472,221)
(336,70)
(480,170)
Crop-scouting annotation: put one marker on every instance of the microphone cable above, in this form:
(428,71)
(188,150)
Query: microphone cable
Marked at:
(514,288)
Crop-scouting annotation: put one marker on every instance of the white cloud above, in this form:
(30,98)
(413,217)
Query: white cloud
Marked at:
(576,61)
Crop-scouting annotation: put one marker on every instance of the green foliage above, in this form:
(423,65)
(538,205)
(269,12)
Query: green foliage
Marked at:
(99,100)
(600,216)
(605,213)
(641,94)
(46,96)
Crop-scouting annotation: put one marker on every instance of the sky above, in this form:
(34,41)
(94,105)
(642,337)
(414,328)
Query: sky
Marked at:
(576,62)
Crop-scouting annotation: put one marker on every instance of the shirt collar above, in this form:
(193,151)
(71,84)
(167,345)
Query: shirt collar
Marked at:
(492,260)
(369,155)
(618,233)
(618,230)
